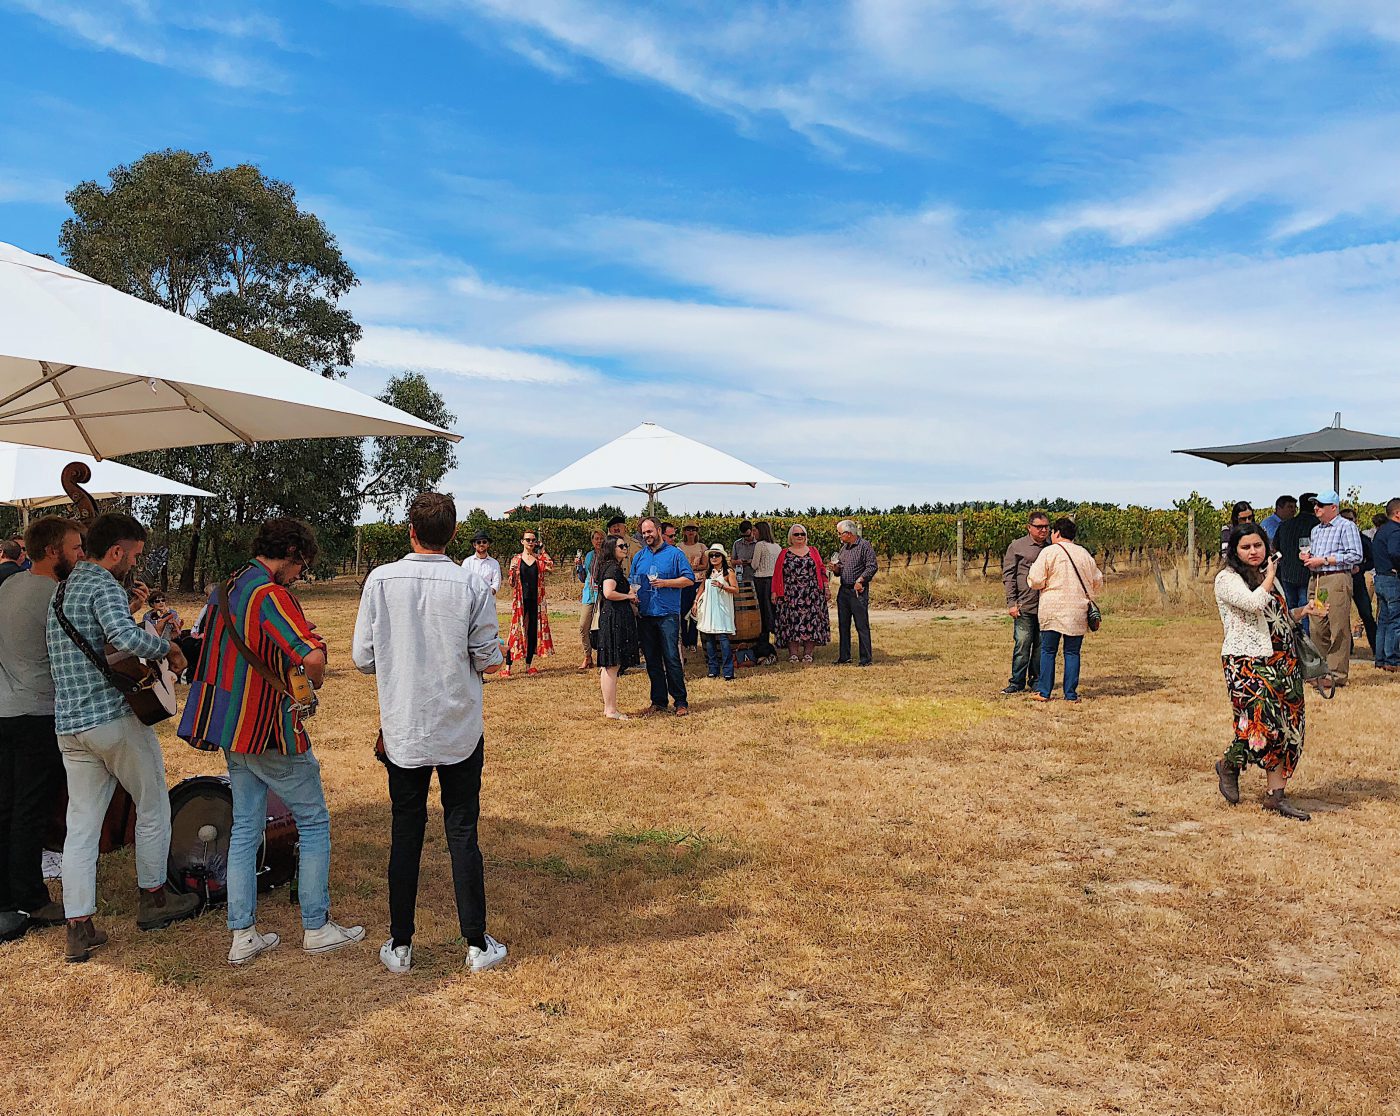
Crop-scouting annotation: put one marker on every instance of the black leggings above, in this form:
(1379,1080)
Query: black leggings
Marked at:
(531,607)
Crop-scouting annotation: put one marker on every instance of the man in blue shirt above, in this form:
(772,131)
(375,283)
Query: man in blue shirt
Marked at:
(1285,508)
(1385,552)
(1334,554)
(659,573)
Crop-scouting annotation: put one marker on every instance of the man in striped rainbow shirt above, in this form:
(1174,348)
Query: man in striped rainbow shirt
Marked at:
(233,708)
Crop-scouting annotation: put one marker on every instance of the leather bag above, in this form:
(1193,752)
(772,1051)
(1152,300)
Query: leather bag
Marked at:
(1312,664)
(1092,616)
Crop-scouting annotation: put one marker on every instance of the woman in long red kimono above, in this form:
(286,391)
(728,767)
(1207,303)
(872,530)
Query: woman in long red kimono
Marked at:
(529,614)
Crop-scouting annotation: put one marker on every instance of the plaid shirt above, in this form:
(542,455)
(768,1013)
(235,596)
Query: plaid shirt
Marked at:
(1340,539)
(96,605)
(231,706)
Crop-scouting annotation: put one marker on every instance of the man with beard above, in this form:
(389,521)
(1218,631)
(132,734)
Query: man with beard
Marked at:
(102,741)
(31,767)
(234,707)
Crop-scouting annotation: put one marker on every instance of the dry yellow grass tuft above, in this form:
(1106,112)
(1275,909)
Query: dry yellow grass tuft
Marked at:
(829,890)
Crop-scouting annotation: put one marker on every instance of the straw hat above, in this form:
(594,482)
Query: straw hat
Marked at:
(717,548)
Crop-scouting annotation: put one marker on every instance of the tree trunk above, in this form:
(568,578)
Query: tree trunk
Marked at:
(192,554)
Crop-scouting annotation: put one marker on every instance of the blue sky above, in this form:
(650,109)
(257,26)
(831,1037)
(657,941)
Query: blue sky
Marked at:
(891,251)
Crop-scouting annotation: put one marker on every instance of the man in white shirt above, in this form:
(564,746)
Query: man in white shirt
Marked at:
(427,632)
(481,565)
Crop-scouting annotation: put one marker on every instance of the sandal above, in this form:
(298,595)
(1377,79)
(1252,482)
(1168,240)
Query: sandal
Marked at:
(793,659)
(617,716)
(806,658)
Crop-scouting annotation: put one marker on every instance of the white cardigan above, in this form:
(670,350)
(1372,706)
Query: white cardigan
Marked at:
(1242,613)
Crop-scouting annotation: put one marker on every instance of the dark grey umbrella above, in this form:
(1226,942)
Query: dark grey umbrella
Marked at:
(1333,443)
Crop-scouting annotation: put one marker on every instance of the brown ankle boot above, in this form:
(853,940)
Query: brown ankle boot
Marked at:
(158,909)
(83,936)
(1228,776)
(1276,802)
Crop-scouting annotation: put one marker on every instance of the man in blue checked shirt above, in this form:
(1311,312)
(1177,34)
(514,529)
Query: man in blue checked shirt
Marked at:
(1334,554)
(659,572)
(101,740)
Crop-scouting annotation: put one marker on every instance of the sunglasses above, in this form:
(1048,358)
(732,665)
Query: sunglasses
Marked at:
(799,534)
(528,540)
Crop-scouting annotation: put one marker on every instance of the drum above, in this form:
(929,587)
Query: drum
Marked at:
(748,621)
(201,819)
(118,827)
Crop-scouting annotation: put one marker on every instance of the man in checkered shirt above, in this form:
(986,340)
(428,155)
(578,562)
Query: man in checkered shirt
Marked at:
(101,740)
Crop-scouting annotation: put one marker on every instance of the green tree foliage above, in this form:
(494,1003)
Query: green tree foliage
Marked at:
(400,468)
(231,248)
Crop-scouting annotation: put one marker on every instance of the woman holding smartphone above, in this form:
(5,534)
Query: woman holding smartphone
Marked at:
(1261,671)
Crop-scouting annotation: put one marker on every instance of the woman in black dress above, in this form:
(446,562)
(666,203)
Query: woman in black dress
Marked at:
(617,621)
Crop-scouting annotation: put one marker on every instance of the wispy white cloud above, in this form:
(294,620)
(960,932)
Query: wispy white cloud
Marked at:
(863,69)
(398,348)
(193,39)
(26,186)
(1346,168)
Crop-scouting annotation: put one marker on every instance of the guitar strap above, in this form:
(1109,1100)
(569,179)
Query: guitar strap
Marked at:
(265,672)
(124,683)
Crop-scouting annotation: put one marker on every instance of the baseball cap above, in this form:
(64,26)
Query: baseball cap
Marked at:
(1328,497)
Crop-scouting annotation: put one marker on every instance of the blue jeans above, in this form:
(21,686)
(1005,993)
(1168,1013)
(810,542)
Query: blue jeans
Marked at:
(1388,623)
(718,654)
(1025,654)
(297,781)
(1049,647)
(1296,594)
(660,640)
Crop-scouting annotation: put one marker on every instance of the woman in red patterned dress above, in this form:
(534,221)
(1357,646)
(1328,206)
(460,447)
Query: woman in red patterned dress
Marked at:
(529,615)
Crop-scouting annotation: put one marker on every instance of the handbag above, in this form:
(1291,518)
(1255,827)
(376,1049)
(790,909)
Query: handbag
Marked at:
(1312,664)
(142,684)
(1093,617)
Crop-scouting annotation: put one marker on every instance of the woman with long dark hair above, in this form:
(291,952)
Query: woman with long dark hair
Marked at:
(529,613)
(1261,670)
(1242,512)
(617,620)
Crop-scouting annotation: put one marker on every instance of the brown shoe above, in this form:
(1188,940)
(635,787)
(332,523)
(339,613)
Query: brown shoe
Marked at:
(1229,778)
(50,914)
(1277,802)
(158,909)
(83,937)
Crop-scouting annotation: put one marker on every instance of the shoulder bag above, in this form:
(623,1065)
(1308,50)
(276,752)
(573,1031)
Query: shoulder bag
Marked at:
(1092,615)
(142,684)
(1312,664)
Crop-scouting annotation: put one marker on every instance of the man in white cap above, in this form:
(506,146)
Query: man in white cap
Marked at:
(1333,555)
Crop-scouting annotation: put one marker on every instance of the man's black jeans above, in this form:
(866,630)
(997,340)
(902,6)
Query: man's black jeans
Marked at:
(31,783)
(851,605)
(459,785)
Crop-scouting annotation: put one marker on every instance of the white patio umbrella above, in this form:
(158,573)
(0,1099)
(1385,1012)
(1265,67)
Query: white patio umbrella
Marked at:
(29,479)
(649,460)
(86,368)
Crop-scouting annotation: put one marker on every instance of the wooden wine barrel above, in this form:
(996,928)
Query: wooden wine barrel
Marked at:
(748,621)
(118,827)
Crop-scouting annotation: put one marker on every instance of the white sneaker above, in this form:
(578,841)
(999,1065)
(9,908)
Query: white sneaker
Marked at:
(248,943)
(331,936)
(479,960)
(396,960)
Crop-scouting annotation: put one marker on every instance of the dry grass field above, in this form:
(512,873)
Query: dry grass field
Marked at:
(890,891)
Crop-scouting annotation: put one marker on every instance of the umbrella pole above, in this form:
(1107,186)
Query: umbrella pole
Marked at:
(1337,477)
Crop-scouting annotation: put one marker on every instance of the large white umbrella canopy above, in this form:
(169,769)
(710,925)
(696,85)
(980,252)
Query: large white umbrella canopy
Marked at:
(86,368)
(29,478)
(652,459)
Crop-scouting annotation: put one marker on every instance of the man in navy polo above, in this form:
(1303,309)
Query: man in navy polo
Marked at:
(659,572)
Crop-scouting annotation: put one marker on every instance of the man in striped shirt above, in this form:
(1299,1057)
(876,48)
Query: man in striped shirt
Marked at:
(233,708)
(1334,554)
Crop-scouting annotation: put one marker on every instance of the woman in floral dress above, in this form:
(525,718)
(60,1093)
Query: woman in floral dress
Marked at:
(801,598)
(529,613)
(1261,671)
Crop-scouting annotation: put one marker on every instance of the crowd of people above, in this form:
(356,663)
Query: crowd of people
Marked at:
(70,721)
(651,597)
